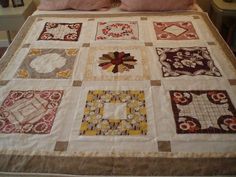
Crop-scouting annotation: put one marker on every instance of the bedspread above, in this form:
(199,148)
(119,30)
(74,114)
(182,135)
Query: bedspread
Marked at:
(124,94)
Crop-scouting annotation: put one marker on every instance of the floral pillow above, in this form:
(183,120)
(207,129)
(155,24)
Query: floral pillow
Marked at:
(74,4)
(156,5)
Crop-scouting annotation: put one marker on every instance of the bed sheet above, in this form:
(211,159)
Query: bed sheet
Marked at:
(118,94)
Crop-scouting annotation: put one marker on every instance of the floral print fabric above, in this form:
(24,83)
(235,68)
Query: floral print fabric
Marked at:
(95,121)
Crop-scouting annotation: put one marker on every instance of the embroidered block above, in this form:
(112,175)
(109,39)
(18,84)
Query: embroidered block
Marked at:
(203,112)
(61,31)
(117,30)
(29,111)
(120,113)
(191,61)
(48,64)
(183,30)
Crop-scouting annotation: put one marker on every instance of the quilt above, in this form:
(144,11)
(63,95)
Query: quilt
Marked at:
(125,94)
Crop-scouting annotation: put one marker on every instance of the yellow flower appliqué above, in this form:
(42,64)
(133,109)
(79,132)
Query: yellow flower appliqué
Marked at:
(71,52)
(34,52)
(23,73)
(64,74)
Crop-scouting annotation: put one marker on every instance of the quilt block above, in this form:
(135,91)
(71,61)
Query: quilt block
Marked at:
(182,30)
(60,31)
(48,64)
(31,112)
(190,61)
(119,63)
(120,113)
(208,111)
(117,30)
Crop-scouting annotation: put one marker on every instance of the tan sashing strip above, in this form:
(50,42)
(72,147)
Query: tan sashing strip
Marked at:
(122,164)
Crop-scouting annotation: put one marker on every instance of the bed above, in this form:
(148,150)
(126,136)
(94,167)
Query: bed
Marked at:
(118,93)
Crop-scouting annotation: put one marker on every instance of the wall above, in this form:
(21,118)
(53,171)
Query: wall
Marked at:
(3,39)
(204,4)
(3,36)
(36,2)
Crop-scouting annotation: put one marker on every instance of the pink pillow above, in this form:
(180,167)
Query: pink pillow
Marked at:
(74,4)
(156,5)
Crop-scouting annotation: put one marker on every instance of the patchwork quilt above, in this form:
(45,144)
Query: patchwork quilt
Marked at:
(128,94)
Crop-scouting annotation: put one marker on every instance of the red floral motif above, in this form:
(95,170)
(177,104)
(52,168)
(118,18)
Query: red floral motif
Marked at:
(189,125)
(74,26)
(51,25)
(46,36)
(182,98)
(117,30)
(217,97)
(71,37)
(125,28)
(29,111)
(228,123)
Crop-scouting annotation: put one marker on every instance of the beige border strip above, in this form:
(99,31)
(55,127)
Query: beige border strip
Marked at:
(135,166)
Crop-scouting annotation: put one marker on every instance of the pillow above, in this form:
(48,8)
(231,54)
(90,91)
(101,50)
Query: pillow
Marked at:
(156,5)
(73,4)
